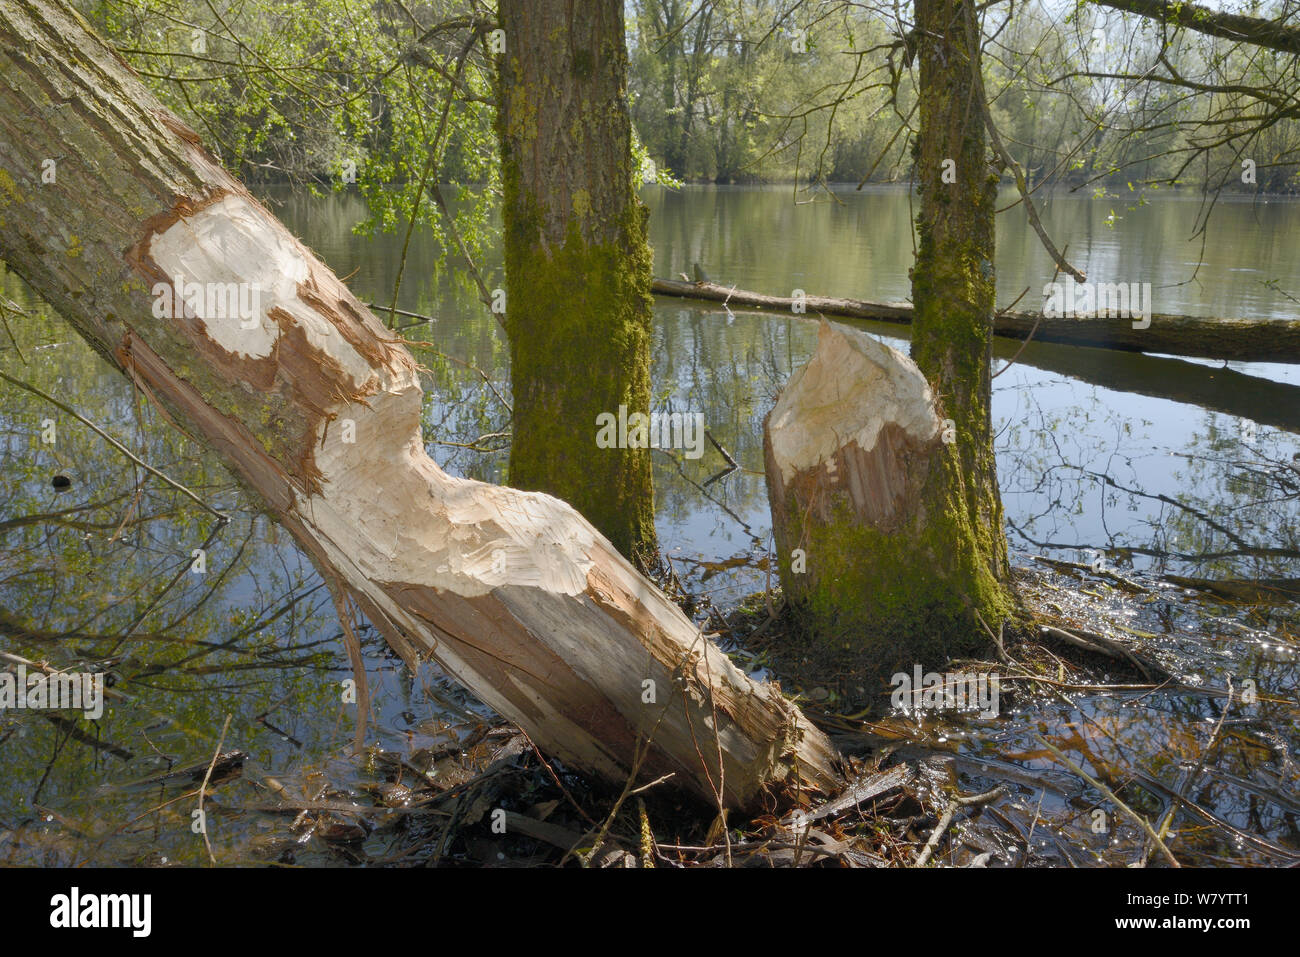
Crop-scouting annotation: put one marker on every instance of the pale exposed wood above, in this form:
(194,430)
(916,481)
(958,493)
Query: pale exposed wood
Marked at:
(850,439)
(1246,340)
(513,593)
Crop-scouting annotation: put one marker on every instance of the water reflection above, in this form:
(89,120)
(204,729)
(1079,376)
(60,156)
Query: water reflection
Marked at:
(1162,466)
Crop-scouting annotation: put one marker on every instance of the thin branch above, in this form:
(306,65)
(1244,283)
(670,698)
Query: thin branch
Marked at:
(222,517)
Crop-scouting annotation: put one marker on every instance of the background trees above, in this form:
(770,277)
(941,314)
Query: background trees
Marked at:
(728,90)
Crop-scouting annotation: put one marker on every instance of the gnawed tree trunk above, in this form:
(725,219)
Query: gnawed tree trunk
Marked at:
(1244,340)
(317,410)
(914,584)
(578,267)
(853,448)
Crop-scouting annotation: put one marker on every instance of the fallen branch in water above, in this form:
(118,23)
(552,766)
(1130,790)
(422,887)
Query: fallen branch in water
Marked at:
(870,786)
(936,836)
(1091,641)
(1263,590)
(1065,566)
(1246,340)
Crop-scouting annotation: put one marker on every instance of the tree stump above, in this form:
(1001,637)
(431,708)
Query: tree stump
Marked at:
(854,450)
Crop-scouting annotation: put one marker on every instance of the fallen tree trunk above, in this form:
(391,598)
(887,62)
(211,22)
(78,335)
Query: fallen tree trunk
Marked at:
(316,408)
(854,451)
(1263,401)
(1245,340)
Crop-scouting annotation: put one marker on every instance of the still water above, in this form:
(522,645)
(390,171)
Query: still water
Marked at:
(1156,465)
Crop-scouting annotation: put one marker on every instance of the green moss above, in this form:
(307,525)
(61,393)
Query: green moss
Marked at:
(582,64)
(578,274)
(874,602)
(579,324)
(8,188)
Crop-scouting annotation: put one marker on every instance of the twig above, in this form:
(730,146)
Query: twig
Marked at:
(417,344)
(725,454)
(997,639)
(484,296)
(1146,826)
(400,312)
(5,306)
(1200,766)
(554,777)
(957,802)
(430,161)
(1033,328)
(203,788)
(1000,148)
(659,780)
(1107,646)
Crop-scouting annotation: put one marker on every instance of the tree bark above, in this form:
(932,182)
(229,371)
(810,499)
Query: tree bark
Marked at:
(578,267)
(317,410)
(1261,32)
(850,446)
(954,562)
(1244,340)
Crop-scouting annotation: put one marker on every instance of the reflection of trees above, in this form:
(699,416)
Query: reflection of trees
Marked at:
(97,577)
(729,370)
(1090,477)
(1183,493)
(256,635)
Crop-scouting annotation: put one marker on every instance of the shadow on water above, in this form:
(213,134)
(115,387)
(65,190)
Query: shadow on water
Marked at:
(1136,469)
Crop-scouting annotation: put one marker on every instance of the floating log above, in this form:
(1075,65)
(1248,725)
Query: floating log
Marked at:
(1244,340)
(316,408)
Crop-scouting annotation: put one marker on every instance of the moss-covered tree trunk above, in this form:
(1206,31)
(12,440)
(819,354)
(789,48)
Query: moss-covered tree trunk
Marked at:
(884,494)
(954,293)
(578,268)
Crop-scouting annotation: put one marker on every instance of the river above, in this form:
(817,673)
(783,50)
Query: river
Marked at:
(1153,465)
